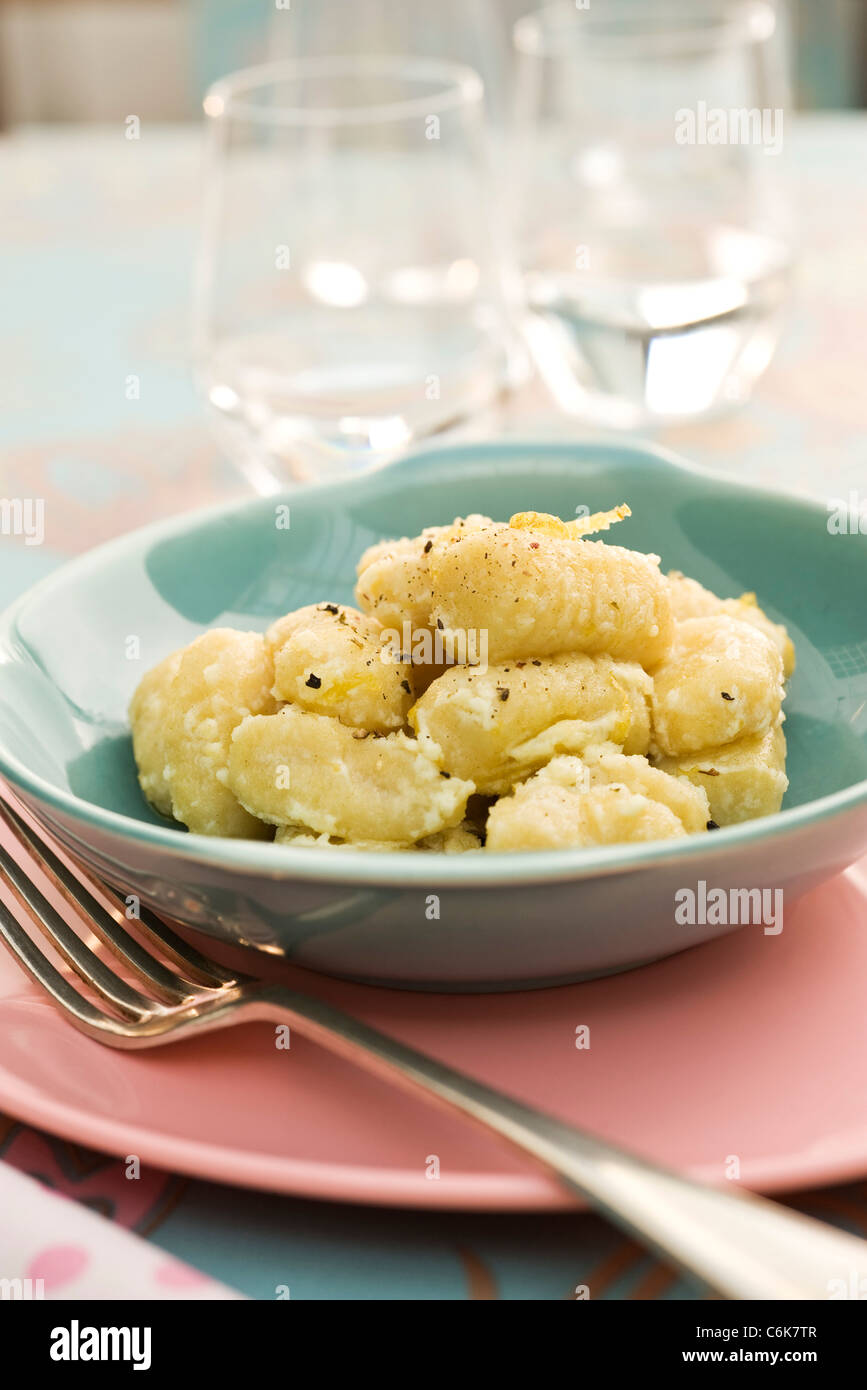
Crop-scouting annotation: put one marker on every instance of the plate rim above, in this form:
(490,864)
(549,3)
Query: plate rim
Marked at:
(530,1189)
(367,1185)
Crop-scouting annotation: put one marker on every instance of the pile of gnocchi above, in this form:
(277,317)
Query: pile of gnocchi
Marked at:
(500,686)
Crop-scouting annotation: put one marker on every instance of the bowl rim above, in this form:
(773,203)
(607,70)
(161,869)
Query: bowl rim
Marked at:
(385,868)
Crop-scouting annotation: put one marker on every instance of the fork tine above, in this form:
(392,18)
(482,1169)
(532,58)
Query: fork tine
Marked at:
(128,1001)
(80,1010)
(200,968)
(166,985)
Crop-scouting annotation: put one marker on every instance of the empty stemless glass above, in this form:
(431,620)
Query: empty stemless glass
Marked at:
(653,235)
(474,32)
(348,291)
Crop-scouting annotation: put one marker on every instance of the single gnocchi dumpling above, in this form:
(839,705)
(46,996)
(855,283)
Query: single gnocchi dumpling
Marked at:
(604,798)
(330,659)
(722,679)
(689,599)
(537,595)
(298,768)
(148,715)
(394,588)
(609,767)
(496,726)
(394,576)
(743,780)
(201,694)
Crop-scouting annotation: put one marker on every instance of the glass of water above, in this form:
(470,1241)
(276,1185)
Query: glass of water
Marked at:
(651,224)
(474,32)
(348,289)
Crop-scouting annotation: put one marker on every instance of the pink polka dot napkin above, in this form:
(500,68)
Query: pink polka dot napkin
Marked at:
(51,1247)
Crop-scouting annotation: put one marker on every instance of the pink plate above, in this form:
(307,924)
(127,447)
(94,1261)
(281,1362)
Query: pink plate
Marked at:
(751,1048)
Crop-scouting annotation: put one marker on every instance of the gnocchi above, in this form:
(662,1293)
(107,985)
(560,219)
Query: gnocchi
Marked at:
(689,599)
(501,686)
(394,580)
(330,659)
(297,768)
(743,780)
(148,714)
(183,715)
(496,726)
(538,595)
(459,839)
(603,800)
(721,680)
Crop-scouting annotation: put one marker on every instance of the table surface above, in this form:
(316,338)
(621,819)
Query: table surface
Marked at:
(98,237)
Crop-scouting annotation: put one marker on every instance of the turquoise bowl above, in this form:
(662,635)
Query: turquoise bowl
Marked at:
(478,922)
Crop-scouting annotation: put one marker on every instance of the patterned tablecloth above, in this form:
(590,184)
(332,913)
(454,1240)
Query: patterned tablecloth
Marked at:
(97,242)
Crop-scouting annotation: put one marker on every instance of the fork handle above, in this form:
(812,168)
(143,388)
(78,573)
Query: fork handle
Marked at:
(737,1245)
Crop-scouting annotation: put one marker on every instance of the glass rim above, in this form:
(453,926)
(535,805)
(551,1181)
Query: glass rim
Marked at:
(537,34)
(459,86)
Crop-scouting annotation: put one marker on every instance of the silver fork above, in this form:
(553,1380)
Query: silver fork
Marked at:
(735,1245)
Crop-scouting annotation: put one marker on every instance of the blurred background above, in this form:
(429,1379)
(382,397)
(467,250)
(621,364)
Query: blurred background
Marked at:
(152,358)
(98,60)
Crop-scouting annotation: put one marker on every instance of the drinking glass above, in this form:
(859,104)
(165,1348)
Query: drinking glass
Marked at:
(476,33)
(348,289)
(650,219)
